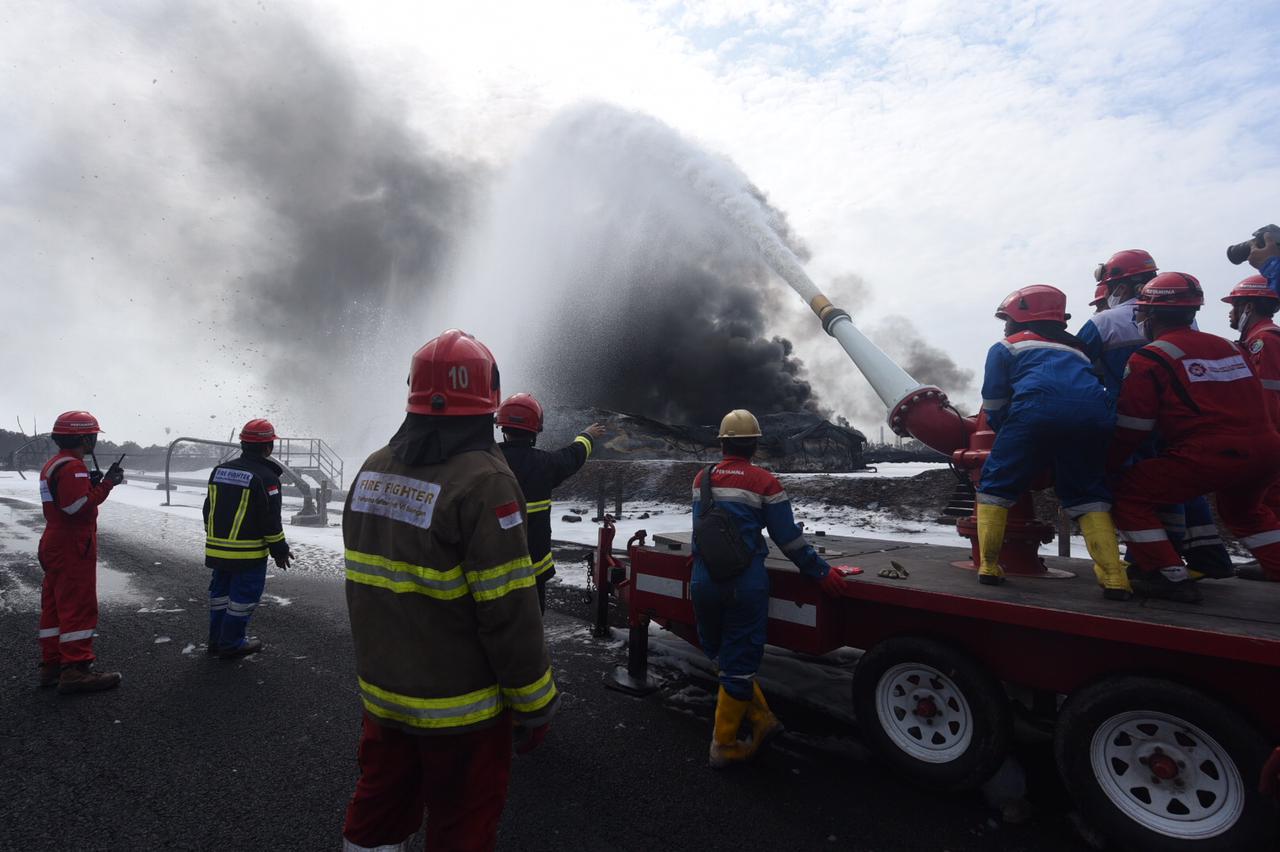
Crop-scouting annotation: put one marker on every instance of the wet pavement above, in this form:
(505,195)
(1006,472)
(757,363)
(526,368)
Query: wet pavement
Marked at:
(197,753)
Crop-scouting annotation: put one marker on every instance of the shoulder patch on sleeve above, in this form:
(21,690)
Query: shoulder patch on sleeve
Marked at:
(508,515)
(1256,346)
(273,490)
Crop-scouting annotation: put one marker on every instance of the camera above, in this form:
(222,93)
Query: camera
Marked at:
(1239,252)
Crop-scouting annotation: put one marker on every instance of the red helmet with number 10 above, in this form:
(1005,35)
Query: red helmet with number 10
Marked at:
(1036,302)
(453,375)
(76,423)
(520,411)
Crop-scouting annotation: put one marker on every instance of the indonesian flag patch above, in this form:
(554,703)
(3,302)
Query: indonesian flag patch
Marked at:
(273,491)
(508,515)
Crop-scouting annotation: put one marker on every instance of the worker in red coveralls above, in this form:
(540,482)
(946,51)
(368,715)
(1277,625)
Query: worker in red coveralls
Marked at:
(1253,304)
(68,553)
(1199,393)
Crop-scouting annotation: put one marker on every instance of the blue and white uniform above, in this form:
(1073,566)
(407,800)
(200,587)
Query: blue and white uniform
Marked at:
(733,614)
(1047,408)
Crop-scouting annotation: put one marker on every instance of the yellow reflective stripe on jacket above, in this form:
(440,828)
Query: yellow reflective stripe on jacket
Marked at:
(239,518)
(273,538)
(373,570)
(235,543)
(543,565)
(584,441)
(453,712)
(213,504)
(492,583)
(531,698)
(538,506)
(220,553)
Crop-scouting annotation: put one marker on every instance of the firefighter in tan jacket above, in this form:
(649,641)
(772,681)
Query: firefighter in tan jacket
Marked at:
(444,613)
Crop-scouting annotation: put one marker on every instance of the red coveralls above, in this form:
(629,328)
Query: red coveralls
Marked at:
(1199,393)
(68,553)
(1262,345)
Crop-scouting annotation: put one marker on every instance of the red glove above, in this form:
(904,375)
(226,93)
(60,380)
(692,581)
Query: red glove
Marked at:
(527,739)
(1270,784)
(833,583)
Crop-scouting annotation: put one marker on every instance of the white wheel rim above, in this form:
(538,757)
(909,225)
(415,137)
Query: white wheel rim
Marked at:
(924,713)
(1167,775)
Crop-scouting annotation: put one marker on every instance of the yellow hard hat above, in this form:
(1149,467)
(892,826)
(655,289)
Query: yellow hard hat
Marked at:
(739,423)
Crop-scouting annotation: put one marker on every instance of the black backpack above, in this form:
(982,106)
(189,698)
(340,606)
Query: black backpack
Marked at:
(718,538)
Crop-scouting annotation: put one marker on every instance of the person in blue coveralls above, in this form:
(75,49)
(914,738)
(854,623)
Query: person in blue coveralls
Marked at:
(730,585)
(1047,408)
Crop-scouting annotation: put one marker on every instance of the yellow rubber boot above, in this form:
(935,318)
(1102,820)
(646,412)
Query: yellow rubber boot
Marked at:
(764,725)
(1100,538)
(726,748)
(991,523)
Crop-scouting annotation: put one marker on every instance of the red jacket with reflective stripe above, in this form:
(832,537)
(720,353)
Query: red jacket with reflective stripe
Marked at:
(66,495)
(1262,345)
(1190,387)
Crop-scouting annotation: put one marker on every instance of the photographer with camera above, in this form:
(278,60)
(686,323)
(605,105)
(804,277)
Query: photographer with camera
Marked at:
(1262,252)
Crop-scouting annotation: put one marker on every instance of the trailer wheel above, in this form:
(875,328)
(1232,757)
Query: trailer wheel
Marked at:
(932,712)
(1157,765)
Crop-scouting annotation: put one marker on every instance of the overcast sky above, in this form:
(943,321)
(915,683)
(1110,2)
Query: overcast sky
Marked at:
(941,153)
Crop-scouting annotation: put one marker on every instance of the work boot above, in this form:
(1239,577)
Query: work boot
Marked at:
(49,674)
(1153,584)
(244,649)
(726,748)
(764,725)
(1101,541)
(80,677)
(991,523)
(1252,571)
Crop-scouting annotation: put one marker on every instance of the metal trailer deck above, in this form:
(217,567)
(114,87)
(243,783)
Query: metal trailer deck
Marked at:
(1164,712)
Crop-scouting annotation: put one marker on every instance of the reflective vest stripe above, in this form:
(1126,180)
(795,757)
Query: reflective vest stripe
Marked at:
(239,518)
(454,712)
(492,583)
(584,441)
(273,537)
(531,698)
(372,570)
(538,506)
(213,504)
(543,565)
(236,543)
(220,553)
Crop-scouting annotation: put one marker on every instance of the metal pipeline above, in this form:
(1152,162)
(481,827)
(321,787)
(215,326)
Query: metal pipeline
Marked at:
(916,410)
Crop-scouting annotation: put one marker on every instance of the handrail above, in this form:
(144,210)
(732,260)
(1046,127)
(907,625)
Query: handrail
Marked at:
(13,456)
(293,475)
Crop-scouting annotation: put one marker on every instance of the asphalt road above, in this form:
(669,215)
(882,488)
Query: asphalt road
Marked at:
(197,753)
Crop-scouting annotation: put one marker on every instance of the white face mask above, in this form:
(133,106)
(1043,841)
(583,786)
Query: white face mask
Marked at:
(1114,300)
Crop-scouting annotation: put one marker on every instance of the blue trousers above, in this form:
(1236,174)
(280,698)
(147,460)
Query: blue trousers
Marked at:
(233,596)
(733,619)
(1070,436)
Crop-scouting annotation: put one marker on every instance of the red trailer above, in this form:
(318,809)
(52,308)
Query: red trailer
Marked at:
(1163,713)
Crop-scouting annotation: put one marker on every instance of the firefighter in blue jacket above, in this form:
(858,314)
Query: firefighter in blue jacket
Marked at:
(1047,407)
(242,526)
(733,614)
(1109,338)
(538,473)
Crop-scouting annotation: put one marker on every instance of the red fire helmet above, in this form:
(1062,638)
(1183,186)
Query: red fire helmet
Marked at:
(258,431)
(520,411)
(1036,302)
(1253,287)
(453,375)
(1171,290)
(76,423)
(1099,295)
(1124,264)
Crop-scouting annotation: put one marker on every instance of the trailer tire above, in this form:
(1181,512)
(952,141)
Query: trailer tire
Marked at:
(1201,794)
(933,713)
